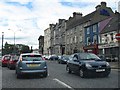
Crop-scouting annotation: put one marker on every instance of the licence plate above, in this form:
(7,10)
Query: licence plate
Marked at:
(100,70)
(33,65)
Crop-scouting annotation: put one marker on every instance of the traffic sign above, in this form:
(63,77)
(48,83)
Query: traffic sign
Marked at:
(117,36)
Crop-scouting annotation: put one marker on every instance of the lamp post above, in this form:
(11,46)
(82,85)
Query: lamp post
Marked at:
(2,41)
(14,50)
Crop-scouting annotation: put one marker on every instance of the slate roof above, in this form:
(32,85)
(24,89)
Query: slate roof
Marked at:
(111,26)
(74,22)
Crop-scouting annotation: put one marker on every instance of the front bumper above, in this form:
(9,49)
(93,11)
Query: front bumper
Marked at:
(98,71)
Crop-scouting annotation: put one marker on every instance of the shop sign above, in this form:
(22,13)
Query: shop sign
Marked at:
(108,45)
(104,12)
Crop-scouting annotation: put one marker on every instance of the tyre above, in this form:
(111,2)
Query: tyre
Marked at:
(10,67)
(45,74)
(18,76)
(81,73)
(68,69)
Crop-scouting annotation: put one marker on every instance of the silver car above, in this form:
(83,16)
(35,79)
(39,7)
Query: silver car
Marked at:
(31,63)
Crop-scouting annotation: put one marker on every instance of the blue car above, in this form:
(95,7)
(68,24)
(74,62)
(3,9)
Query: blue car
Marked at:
(31,63)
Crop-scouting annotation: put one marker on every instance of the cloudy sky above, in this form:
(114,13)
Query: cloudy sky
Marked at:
(29,18)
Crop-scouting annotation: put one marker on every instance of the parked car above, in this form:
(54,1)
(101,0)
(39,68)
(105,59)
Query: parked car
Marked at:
(12,62)
(53,57)
(31,63)
(88,64)
(63,59)
(46,57)
(5,59)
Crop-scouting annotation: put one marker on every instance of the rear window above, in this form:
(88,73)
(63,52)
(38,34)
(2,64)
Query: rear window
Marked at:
(14,57)
(31,58)
(7,57)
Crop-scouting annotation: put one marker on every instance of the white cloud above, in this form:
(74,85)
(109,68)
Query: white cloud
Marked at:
(33,21)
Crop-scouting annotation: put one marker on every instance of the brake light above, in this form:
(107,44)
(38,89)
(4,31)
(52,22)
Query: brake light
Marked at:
(43,58)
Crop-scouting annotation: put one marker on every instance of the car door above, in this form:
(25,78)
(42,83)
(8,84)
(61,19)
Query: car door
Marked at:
(70,62)
(75,63)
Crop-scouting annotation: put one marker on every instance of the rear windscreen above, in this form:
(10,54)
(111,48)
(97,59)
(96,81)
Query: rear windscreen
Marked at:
(15,57)
(31,58)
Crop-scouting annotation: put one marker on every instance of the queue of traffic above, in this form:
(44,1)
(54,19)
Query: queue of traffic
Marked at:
(83,64)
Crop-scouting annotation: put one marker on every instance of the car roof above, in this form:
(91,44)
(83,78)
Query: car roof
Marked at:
(83,53)
(31,54)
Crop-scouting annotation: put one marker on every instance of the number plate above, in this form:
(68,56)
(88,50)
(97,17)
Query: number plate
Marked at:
(100,70)
(33,65)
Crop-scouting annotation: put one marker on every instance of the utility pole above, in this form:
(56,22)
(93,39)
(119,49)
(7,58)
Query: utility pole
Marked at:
(2,41)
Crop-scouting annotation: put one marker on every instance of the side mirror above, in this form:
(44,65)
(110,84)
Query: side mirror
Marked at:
(75,59)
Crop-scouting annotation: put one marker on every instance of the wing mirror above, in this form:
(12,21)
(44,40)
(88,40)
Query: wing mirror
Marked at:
(75,59)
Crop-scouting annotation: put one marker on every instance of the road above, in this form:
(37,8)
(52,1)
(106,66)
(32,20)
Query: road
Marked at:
(58,78)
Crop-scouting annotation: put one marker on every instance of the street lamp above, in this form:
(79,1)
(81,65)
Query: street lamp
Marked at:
(2,41)
(14,50)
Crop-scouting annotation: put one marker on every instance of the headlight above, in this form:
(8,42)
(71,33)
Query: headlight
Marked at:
(107,64)
(88,65)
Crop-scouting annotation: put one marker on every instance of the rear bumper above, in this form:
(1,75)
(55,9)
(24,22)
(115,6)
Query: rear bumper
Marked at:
(4,64)
(32,71)
(12,65)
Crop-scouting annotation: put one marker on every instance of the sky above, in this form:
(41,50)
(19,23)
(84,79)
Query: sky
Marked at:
(27,19)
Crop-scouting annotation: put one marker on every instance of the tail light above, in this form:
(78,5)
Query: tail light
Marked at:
(43,58)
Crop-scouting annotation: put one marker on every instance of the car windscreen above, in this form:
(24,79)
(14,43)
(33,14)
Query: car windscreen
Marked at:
(89,56)
(7,57)
(31,58)
(14,57)
(66,57)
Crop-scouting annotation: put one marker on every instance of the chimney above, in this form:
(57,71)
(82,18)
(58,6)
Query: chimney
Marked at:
(103,4)
(60,20)
(77,14)
(97,7)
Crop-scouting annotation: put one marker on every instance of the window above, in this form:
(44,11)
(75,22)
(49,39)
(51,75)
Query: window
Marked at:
(88,41)
(31,57)
(94,38)
(94,28)
(88,30)
(111,36)
(75,39)
(80,38)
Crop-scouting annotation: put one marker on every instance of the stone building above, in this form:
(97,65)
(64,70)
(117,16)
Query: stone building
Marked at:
(58,37)
(108,45)
(47,41)
(41,44)
(92,31)
(52,38)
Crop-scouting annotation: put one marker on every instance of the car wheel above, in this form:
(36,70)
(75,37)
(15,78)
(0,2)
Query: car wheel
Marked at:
(68,69)
(10,67)
(81,73)
(7,66)
(45,74)
(58,62)
(17,75)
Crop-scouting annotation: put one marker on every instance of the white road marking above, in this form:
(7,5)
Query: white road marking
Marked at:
(62,83)
(115,69)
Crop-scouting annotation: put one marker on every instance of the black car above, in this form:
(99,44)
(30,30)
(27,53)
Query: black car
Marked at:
(53,57)
(88,64)
(63,59)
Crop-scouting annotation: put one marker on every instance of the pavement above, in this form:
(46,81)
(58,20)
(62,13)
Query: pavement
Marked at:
(115,65)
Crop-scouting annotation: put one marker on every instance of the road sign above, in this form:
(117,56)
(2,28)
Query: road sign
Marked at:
(117,36)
